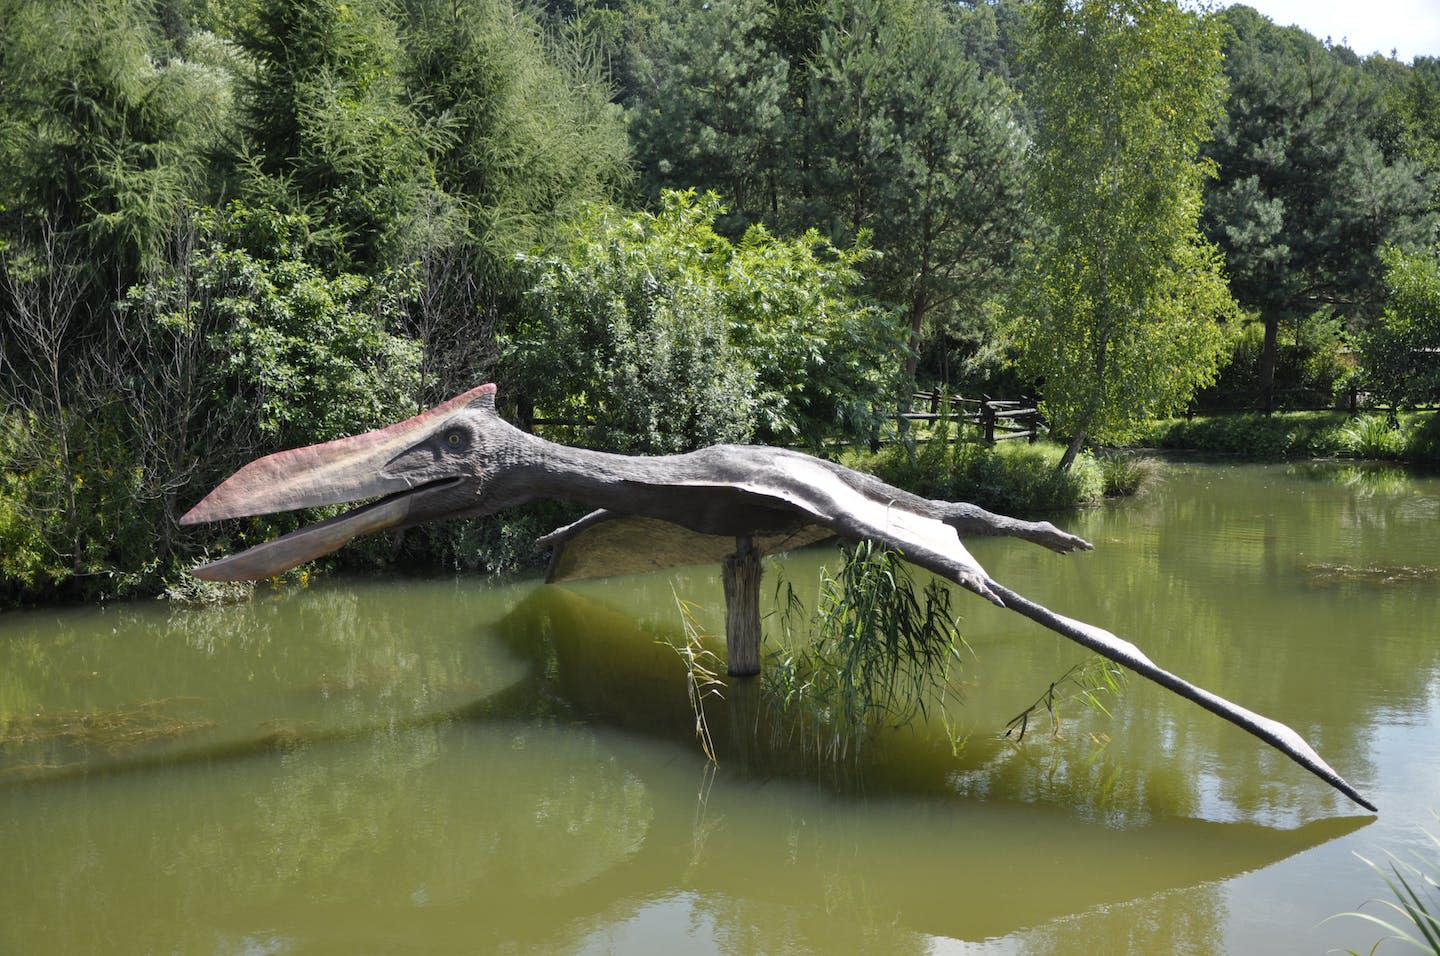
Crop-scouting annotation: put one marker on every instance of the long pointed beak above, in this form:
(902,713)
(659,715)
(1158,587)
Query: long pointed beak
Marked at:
(280,555)
(334,472)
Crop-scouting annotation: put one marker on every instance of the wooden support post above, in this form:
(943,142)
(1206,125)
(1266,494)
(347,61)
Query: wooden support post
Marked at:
(742,609)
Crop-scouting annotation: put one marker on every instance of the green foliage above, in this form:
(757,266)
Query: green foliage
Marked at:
(861,118)
(879,652)
(1411,437)
(667,336)
(327,131)
(1402,352)
(313,356)
(709,107)
(72,516)
(1011,478)
(105,131)
(1415,888)
(1125,475)
(1409,124)
(702,672)
(1308,369)
(909,142)
(1119,316)
(530,134)
(1305,199)
(1084,682)
(1372,436)
(1261,437)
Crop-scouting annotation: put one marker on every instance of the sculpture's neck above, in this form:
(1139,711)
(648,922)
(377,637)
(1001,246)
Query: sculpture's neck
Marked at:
(543,469)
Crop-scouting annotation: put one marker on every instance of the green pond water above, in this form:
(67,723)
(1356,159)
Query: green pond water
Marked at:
(458,766)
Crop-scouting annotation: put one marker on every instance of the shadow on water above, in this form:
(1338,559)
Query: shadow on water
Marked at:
(941,861)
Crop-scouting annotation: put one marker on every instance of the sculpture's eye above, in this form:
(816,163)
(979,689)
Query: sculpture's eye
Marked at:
(452,439)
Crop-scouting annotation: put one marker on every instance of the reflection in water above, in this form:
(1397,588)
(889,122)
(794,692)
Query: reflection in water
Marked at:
(459,767)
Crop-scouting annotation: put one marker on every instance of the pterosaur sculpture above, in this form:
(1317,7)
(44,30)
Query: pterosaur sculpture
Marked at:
(738,502)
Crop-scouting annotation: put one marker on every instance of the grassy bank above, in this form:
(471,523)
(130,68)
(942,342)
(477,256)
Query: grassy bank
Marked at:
(1011,478)
(1412,437)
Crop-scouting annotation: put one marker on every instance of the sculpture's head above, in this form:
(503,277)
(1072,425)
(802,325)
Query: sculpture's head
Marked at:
(428,467)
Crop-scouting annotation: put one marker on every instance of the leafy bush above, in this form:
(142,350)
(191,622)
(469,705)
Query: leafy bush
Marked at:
(1260,437)
(1307,368)
(1423,439)
(1126,474)
(313,355)
(1402,352)
(1410,437)
(1011,478)
(667,336)
(1372,436)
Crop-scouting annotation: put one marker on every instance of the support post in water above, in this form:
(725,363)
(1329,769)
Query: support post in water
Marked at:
(742,608)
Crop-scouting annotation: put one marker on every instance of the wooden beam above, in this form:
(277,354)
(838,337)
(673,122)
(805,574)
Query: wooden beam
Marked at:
(742,608)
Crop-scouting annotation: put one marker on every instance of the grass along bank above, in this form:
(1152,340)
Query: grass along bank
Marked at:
(1010,478)
(1409,437)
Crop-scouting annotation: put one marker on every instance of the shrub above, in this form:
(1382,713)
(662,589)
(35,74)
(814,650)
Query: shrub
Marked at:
(1012,478)
(668,336)
(1372,436)
(1415,438)
(1125,474)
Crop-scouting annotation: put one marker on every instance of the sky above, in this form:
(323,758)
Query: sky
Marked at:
(1409,27)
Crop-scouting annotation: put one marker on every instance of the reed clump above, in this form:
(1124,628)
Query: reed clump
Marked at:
(878,651)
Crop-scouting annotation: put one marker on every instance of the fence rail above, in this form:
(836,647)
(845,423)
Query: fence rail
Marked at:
(997,419)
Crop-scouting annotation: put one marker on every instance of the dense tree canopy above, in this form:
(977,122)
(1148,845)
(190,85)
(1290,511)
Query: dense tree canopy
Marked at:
(852,116)
(1402,351)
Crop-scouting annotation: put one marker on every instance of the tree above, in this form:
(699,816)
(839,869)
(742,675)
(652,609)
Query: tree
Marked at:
(709,108)
(328,132)
(912,146)
(531,139)
(853,116)
(1119,315)
(1409,124)
(1304,200)
(104,135)
(1402,351)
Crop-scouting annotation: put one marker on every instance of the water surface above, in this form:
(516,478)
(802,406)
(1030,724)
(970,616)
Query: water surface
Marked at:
(470,766)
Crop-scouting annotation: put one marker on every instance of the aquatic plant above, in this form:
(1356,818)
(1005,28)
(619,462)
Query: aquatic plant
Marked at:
(702,672)
(877,651)
(1126,474)
(1416,891)
(1372,436)
(1084,683)
(114,730)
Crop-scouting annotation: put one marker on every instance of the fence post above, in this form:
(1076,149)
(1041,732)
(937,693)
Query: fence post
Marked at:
(987,419)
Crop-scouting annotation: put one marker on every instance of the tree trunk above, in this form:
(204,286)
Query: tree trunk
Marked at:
(1269,356)
(1072,451)
(742,609)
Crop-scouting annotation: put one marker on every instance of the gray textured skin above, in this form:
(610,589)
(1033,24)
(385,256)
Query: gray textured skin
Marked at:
(461,459)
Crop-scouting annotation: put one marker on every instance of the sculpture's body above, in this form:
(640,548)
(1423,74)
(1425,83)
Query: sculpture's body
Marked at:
(461,459)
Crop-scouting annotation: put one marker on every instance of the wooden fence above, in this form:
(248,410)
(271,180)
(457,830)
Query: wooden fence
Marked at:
(997,419)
